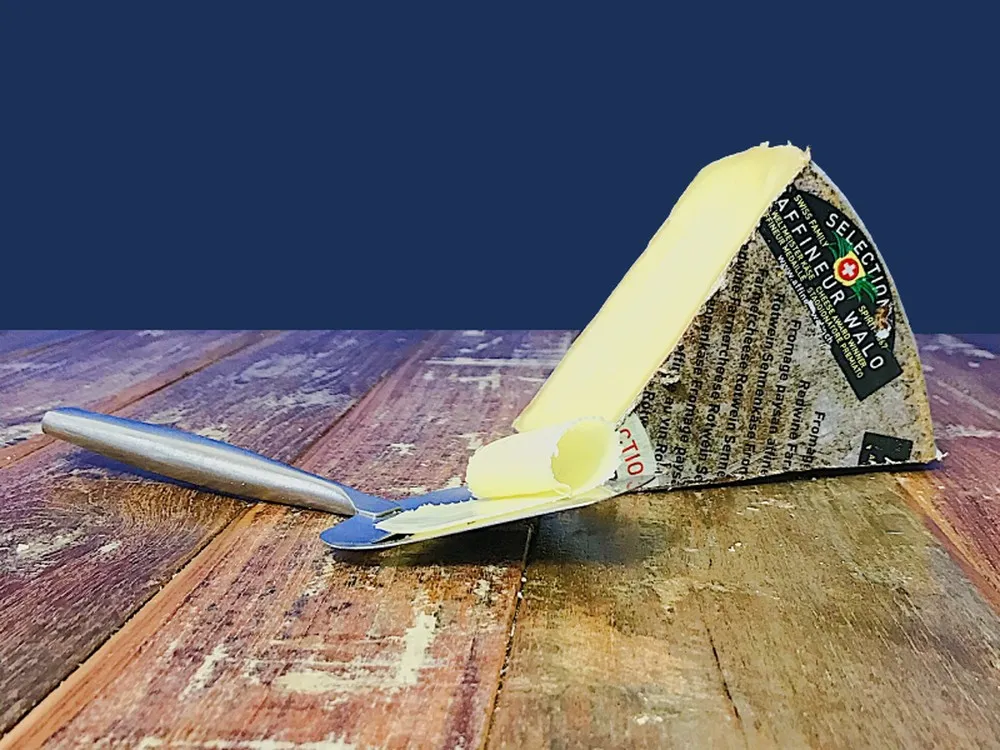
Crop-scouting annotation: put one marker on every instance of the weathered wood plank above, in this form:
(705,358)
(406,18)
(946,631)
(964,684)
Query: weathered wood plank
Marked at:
(15,341)
(961,499)
(610,648)
(270,639)
(809,613)
(84,542)
(101,370)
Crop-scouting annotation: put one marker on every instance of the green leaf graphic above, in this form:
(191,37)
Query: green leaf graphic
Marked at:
(863,288)
(843,247)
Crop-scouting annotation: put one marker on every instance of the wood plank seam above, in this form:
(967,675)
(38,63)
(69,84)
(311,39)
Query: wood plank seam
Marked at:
(118,403)
(532,527)
(412,352)
(461,600)
(59,706)
(722,674)
(934,519)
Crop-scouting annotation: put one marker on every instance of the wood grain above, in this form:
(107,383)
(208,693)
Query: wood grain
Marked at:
(809,613)
(806,613)
(101,370)
(271,640)
(25,341)
(961,499)
(84,542)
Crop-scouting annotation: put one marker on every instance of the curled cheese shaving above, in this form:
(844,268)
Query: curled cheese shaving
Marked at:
(558,461)
(525,471)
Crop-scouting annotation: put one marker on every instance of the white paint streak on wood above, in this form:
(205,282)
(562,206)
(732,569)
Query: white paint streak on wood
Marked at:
(215,432)
(488,344)
(204,673)
(169,416)
(483,382)
(473,440)
(950,431)
(35,551)
(277,365)
(963,396)
(299,398)
(492,362)
(416,641)
(15,433)
(646,718)
(951,345)
(315,677)
(416,489)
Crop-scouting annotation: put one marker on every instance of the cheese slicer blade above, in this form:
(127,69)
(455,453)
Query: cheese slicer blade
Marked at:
(221,467)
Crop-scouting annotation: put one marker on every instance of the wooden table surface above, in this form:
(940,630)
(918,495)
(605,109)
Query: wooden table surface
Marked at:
(855,611)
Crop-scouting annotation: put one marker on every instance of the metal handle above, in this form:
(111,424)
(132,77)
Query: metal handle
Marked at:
(207,463)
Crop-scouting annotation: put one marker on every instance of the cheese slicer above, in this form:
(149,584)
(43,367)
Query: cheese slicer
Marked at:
(225,468)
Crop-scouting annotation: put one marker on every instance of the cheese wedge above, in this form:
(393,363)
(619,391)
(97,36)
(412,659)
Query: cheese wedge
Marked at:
(759,333)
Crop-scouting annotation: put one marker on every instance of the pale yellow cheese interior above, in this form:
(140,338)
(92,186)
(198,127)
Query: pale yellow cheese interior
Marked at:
(555,461)
(642,321)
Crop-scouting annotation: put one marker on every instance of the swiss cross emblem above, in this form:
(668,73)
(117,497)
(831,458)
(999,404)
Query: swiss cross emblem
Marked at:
(848,269)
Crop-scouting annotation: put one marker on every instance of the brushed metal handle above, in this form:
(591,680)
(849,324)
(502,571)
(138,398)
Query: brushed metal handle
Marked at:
(207,463)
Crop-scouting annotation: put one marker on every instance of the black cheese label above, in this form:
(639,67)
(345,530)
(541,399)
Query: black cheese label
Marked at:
(838,275)
(884,449)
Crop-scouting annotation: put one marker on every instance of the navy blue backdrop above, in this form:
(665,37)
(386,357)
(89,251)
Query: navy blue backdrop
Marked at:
(331,164)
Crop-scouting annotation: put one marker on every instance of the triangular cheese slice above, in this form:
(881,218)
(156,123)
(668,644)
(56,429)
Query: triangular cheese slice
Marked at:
(759,334)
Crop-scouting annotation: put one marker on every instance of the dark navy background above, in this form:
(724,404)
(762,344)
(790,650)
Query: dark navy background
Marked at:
(469,165)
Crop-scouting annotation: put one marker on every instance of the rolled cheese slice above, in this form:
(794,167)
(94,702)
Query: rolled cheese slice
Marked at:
(530,471)
(524,474)
(561,460)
